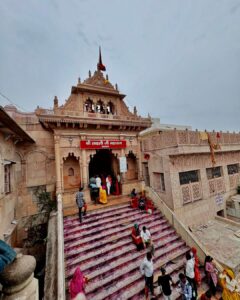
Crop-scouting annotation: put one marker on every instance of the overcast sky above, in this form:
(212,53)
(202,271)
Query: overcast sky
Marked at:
(175,59)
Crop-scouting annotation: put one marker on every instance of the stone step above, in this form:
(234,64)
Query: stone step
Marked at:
(158,237)
(78,240)
(172,269)
(107,293)
(103,225)
(107,240)
(122,244)
(131,262)
(98,214)
(125,269)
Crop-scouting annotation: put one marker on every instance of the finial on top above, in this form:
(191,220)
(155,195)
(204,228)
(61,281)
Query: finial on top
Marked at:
(79,80)
(107,77)
(135,110)
(100,65)
(55,102)
(89,74)
(116,86)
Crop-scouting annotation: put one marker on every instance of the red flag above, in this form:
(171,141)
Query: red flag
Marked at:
(100,65)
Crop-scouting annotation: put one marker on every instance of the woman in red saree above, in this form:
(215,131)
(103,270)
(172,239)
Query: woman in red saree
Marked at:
(77,283)
(196,266)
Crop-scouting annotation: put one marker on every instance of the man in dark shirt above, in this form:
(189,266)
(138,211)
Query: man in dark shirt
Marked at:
(164,282)
(80,203)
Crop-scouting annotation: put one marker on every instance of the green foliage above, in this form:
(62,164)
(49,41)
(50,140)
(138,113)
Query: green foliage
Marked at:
(46,203)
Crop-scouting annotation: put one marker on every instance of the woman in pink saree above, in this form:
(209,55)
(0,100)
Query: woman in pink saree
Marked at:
(77,284)
(211,274)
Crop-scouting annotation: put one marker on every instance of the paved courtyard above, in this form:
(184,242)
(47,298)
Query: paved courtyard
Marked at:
(221,240)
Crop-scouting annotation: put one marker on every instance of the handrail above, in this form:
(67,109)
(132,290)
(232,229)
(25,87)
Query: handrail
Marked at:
(180,228)
(60,251)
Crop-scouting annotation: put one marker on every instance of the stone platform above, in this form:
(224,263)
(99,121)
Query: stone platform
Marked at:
(220,238)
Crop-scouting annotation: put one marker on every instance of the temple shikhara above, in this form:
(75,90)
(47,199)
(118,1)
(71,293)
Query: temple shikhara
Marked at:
(188,181)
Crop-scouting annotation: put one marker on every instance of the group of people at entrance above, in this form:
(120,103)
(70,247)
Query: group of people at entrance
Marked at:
(101,187)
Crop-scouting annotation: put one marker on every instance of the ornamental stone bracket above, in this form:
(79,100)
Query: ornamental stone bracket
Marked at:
(18,281)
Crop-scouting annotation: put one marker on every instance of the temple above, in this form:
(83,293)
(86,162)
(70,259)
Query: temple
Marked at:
(190,179)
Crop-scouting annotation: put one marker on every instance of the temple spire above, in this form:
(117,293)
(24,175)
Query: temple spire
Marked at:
(100,65)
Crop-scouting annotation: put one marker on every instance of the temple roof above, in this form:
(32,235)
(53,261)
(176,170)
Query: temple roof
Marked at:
(97,83)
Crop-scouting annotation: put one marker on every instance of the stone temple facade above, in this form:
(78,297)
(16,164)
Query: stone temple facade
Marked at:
(88,135)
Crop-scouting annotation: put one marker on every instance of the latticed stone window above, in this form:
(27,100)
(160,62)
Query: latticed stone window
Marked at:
(214,172)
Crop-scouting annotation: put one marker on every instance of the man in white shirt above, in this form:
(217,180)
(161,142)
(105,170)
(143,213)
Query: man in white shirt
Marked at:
(98,181)
(146,236)
(146,269)
(189,271)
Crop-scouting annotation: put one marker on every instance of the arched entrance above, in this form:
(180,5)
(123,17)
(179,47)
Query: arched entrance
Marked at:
(103,163)
(71,173)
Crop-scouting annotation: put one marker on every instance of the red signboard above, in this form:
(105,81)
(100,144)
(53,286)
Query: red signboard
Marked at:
(103,144)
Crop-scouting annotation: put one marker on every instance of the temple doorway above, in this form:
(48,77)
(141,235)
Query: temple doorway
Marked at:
(103,163)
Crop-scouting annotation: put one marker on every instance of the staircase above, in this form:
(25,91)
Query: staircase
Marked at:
(103,249)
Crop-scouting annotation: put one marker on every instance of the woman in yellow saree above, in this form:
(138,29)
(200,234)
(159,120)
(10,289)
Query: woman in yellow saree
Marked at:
(229,285)
(102,196)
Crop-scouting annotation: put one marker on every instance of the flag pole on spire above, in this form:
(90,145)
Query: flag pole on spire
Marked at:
(100,65)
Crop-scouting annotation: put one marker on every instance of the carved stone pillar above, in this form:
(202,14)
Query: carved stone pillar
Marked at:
(58,164)
(84,166)
(18,281)
(139,161)
(123,175)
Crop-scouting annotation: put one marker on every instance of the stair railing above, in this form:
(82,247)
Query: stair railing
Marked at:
(180,228)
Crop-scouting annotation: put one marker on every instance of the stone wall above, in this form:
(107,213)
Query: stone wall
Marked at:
(172,152)
(8,200)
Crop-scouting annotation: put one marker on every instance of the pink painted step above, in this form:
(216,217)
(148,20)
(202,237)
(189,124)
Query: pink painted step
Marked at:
(103,226)
(110,293)
(78,240)
(98,214)
(125,244)
(114,255)
(103,248)
(85,229)
(109,240)
(121,272)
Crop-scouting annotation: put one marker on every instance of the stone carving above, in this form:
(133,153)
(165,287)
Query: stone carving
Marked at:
(186,194)
(196,191)
(182,137)
(98,80)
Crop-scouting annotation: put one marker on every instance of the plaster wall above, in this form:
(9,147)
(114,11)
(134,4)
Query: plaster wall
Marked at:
(7,201)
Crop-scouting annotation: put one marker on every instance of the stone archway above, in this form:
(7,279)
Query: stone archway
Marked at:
(71,173)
